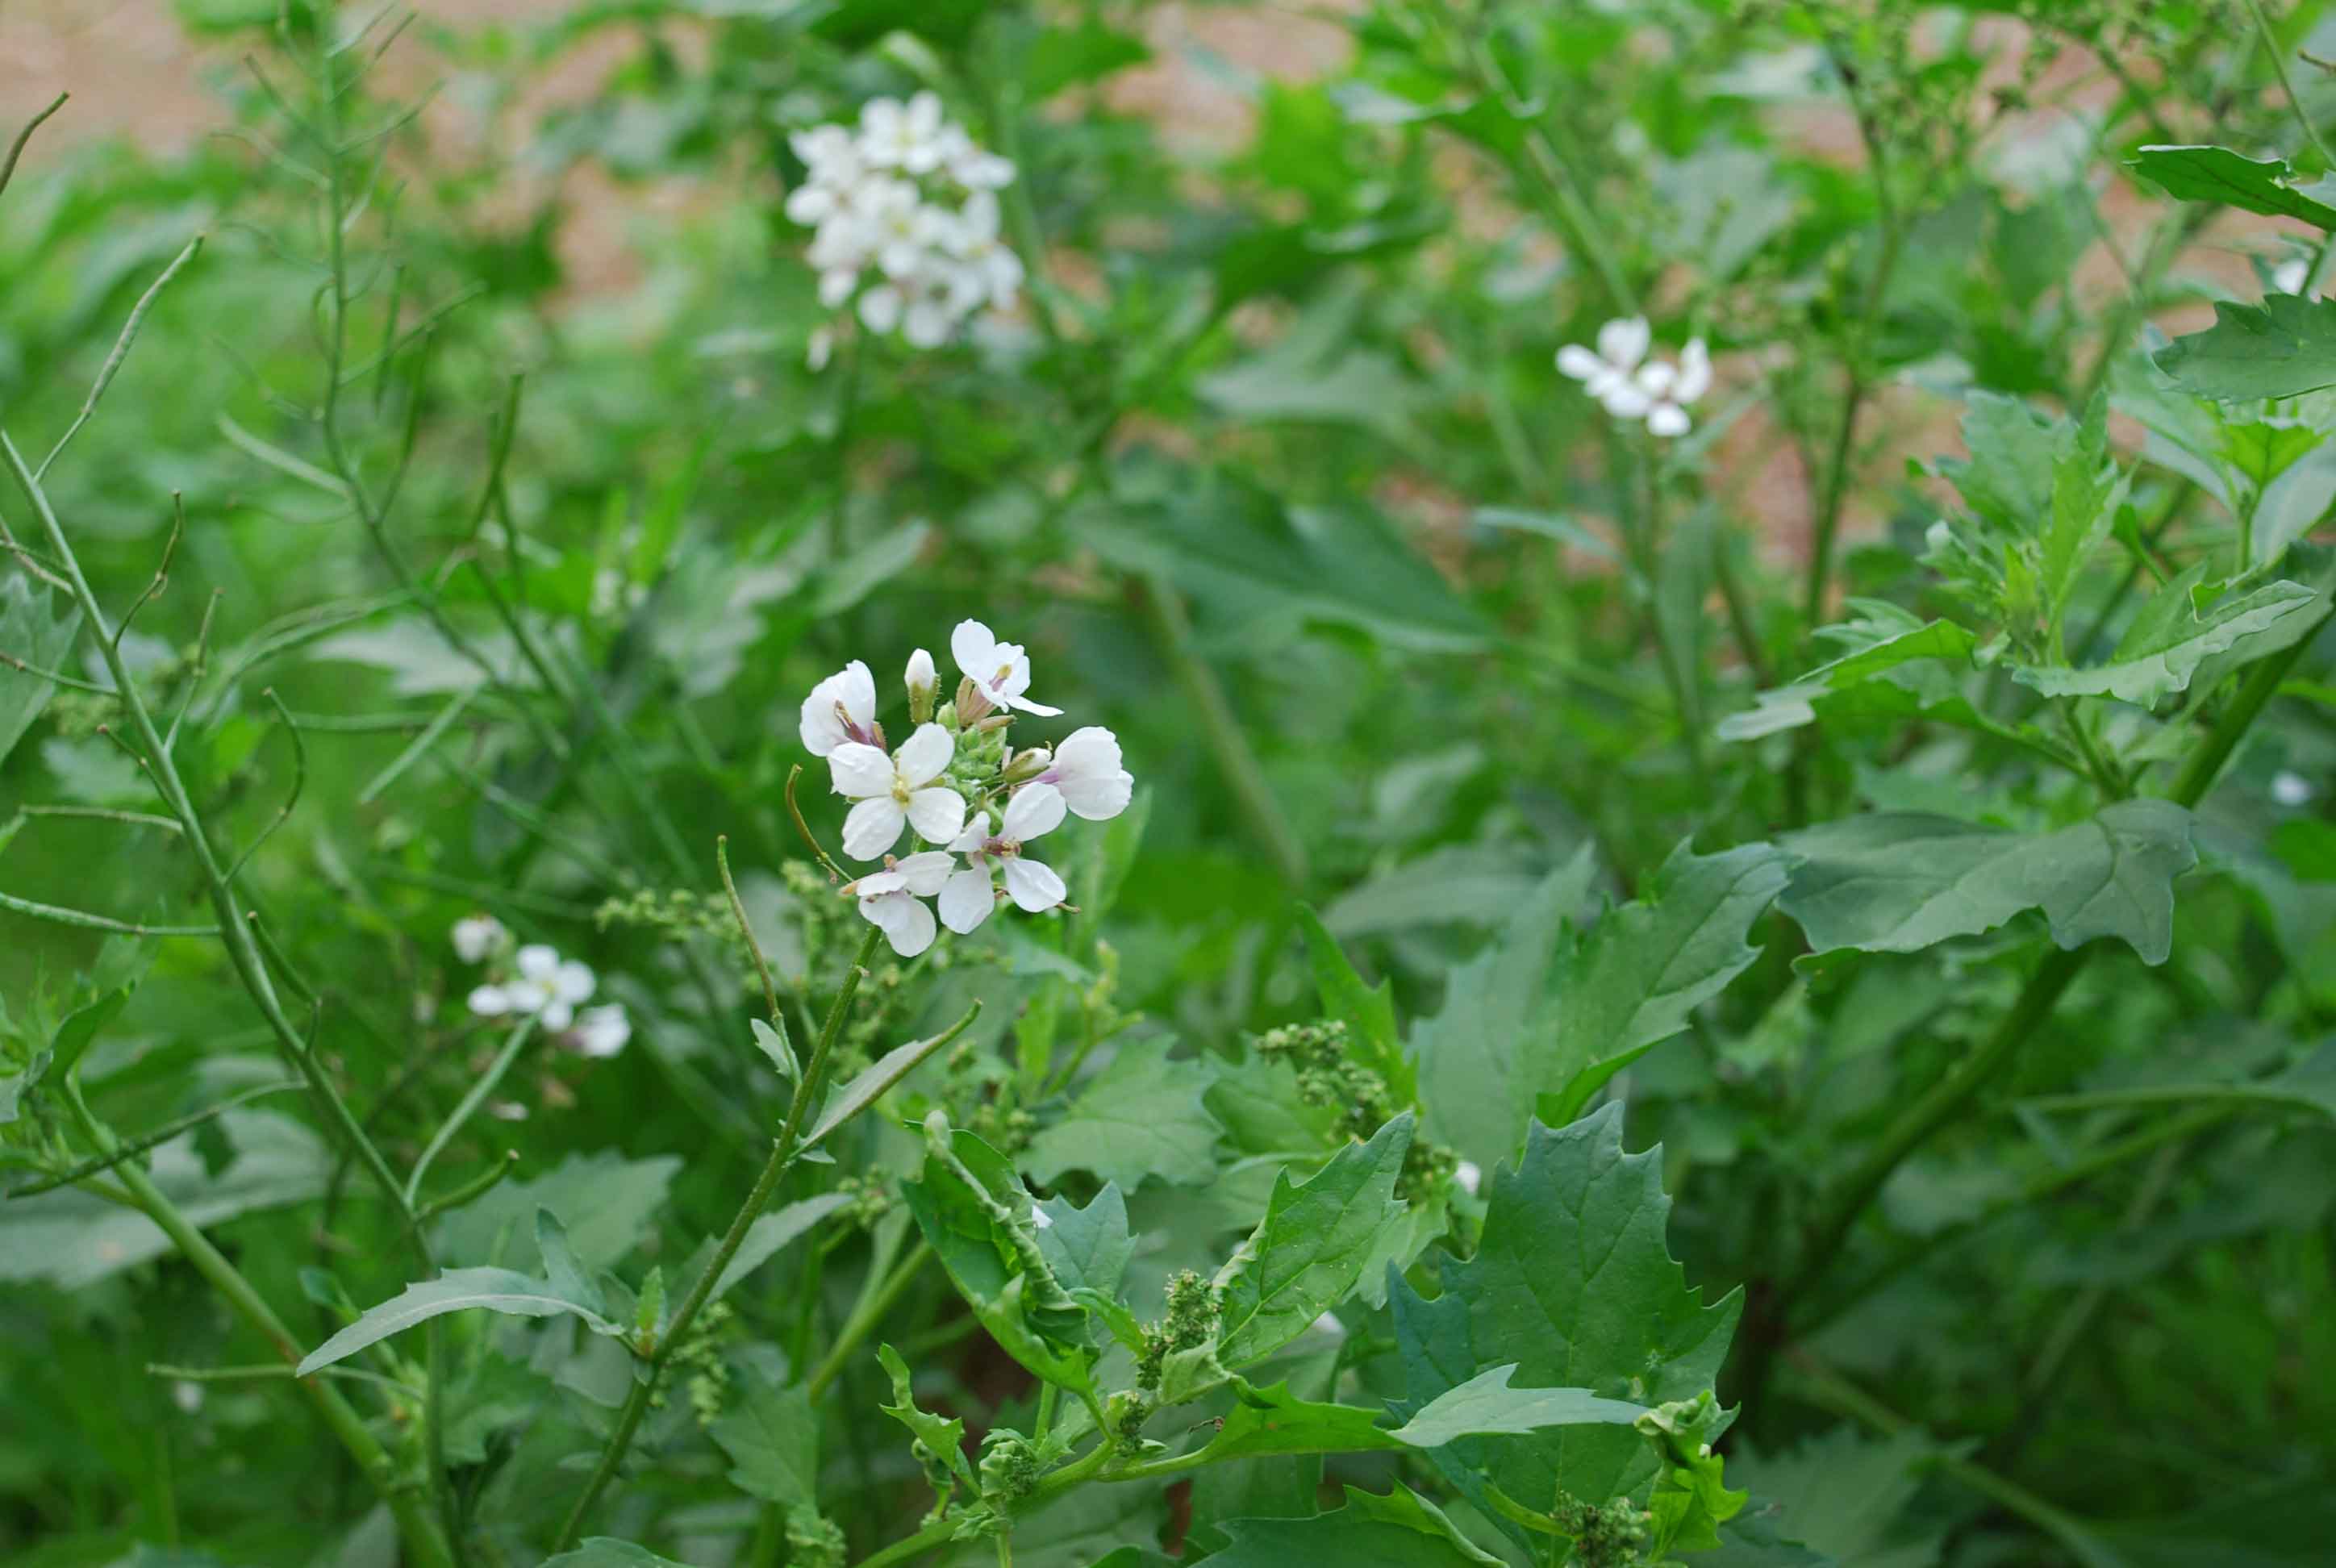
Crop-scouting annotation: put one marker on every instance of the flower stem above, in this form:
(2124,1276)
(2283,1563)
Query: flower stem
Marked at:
(758,1198)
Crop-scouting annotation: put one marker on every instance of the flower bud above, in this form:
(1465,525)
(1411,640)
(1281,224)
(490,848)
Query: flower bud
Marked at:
(923,685)
(1027,764)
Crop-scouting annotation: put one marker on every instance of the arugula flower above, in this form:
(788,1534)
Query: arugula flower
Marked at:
(892,900)
(897,791)
(544,985)
(478,938)
(840,710)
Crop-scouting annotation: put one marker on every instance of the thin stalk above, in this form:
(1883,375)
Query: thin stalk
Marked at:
(917,1545)
(16,148)
(2279,68)
(129,1149)
(468,1105)
(758,1198)
(875,1302)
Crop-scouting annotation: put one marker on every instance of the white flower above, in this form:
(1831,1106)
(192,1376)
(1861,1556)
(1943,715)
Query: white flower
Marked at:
(507,1110)
(545,987)
(1470,1176)
(1670,389)
(1000,670)
(839,711)
(2289,277)
(897,791)
(971,165)
(897,136)
(1087,768)
(2290,788)
(987,272)
(1607,375)
(601,1031)
(914,306)
(819,349)
(892,900)
(478,938)
(967,898)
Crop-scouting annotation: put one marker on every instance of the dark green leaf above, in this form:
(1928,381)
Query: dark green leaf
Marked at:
(1305,1254)
(1367,1011)
(1141,1116)
(772,1436)
(1088,1249)
(942,1437)
(607,1552)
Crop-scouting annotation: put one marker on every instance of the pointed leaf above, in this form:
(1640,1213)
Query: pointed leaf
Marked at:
(942,1435)
(875,1082)
(1367,1011)
(772,1436)
(30,632)
(773,1044)
(1088,1249)
(1485,1404)
(2283,347)
(1140,1116)
(455,1290)
(565,1276)
(2230,178)
(2162,651)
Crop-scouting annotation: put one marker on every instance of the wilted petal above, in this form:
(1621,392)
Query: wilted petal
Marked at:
(873,827)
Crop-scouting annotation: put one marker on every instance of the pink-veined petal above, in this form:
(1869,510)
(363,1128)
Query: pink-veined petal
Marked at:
(967,899)
(1033,887)
(937,814)
(860,770)
(872,827)
(924,756)
(1035,810)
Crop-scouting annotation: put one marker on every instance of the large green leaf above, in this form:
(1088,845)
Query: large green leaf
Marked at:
(457,1290)
(1846,1496)
(2170,639)
(2230,178)
(2283,347)
(874,1082)
(1898,883)
(29,631)
(1399,1531)
(606,1203)
(1305,1254)
(1367,1011)
(1574,1285)
(1487,1406)
(976,1212)
(1088,1249)
(1141,1116)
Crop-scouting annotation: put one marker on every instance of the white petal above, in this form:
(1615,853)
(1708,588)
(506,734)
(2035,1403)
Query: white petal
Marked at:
(490,1001)
(976,833)
(1695,372)
(603,1031)
(967,899)
(877,882)
(1579,362)
(924,756)
(1470,1176)
(1035,809)
(1627,402)
(906,922)
(919,677)
(1656,378)
(1624,342)
(975,648)
(1026,705)
(1667,419)
(1089,751)
(1099,799)
(574,982)
(538,962)
(923,874)
(873,827)
(558,1015)
(860,770)
(937,814)
(880,307)
(1033,887)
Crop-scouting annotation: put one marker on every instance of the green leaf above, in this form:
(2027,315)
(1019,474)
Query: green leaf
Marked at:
(1369,1012)
(2015,457)
(1898,883)
(605,1203)
(1633,978)
(2262,450)
(1141,1116)
(1690,1501)
(773,1044)
(1088,1249)
(608,1552)
(2283,347)
(772,1436)
(873,1082)
(457,1290)
(566,1277)
(1273,1420)
(30,632)
(1471,1067)
(943,1436)
(1401,1530)
(2087,493)
(1305,1254)
(976,1212)
(1486,1406)
(767,1237)
(1895,638)
(2170,639)
(1848,1496)
(1574,1286)
(2231,179)
(1060,57)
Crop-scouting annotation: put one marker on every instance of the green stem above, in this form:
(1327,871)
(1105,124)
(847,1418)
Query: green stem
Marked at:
(415,1527)
(637,1403)
(2279,67)
(468,1105)
(934,1535)
(876,1299)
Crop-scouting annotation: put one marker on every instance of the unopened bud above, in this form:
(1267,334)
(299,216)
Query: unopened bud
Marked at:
(993,724)
(1027,764)
(923,684)
(937,1127)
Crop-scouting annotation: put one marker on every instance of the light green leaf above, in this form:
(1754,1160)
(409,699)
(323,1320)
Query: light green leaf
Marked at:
(1903,640)
(1141,1116)
(2170,639)
(1273,1420)
(1399,1531)
(30,632)
(1848,1496)
(1574,1286)
(943,1436)
(1485,1404)
(976,1212)
(772,1436)
(2086,492)
(605,1202)
(2230,178)
(874,1081)
(1898,881)
(773,1044)
(765,1239)
(457,1290)
(566,1277)
(1305,1254)
(2283,347)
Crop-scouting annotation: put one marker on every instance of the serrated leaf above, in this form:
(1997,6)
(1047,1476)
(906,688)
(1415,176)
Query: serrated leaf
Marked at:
(1788,707)
(942,1435)
(1574,1285)
(1632,979)
(2086,494)
(1367,1011)
(2162,650)
(2217,174)
(1305,1254)
(1487,1406)
(1402,1530)
(772,1436)
(1847,1496)
(29,631)
(502,1291)
(975,1211)
(1141,1116)
(773,1044)
(2283,347)
(1900,882)
(1088,1249)
(2015,452)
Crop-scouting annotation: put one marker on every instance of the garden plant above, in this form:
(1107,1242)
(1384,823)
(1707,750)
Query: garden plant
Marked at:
(1420,782)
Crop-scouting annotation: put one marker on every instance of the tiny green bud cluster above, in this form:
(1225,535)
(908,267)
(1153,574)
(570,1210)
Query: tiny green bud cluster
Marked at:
(1327,1076)
(1191,1324)
(1609,1534)
(1010,1465)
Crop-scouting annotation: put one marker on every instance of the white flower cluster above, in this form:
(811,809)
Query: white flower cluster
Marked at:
(539,984)
(959,785)
(910,200)
(1629,385)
